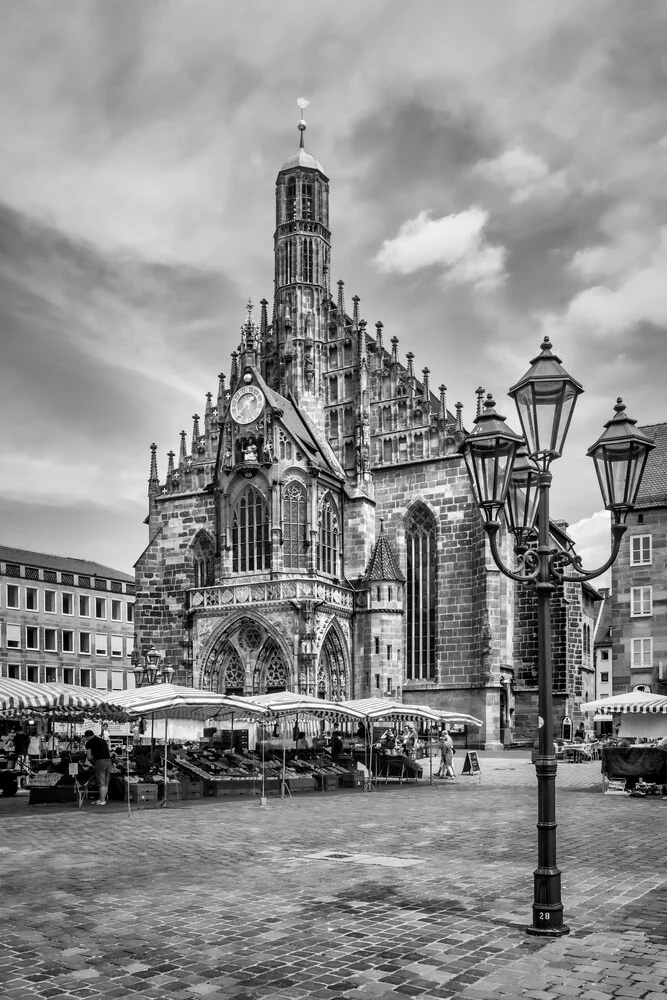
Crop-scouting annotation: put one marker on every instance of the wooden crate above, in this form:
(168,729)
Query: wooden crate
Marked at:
(193,789)
(141,792)
(174,790)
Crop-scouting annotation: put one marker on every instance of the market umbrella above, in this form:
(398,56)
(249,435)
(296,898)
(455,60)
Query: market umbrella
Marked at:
(175,701)
(376,709)
(633,701)
(282,703)
(61,699)
(23,696)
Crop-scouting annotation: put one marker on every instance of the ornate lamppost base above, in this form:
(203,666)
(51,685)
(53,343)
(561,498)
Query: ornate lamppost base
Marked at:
(548,932)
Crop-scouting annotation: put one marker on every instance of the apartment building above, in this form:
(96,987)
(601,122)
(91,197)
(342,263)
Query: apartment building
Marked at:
(639,583)
(66,620)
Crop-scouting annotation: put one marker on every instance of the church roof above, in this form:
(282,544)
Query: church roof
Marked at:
(302,159)
(383,564)
(653,489)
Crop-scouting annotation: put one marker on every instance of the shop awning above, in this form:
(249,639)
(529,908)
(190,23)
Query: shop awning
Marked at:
(374,709)
(175,701)
(61,700)
(632,701)
(293,703)
(459,718)
(22,696)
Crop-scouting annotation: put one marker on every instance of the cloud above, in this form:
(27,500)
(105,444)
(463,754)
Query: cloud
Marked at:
(592,539)
(455,243)
(525,173)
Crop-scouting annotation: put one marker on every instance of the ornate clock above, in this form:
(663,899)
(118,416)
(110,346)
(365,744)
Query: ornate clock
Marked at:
(247,404)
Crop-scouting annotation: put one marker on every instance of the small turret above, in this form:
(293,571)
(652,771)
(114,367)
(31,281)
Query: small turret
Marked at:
(170,470)
(221,395)
(355,311)
(394,351)
(427,390)
(479,392)
(153,481)
(442,410)
(459,417)
(379,349)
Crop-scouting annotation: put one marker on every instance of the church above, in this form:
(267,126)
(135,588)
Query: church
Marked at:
(318,532)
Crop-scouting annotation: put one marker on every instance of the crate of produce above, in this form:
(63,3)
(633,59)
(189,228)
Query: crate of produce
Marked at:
(193,789)
(302,784)
(141,791)
(209,789)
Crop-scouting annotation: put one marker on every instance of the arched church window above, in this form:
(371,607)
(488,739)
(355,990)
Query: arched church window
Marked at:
(327,547)
(294,525)
(307,267)
(202,561)
(290,261)
(271,673)
(331,675)
(333,423)
(250,533)
(234,678)
(349,420)
(284,446)
(306,199)
(291,199)
(387,451)
(348,383)
(333,390)
(420,541)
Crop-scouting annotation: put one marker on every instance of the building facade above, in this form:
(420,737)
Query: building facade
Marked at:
(318,532)
(639,582)
(65,620)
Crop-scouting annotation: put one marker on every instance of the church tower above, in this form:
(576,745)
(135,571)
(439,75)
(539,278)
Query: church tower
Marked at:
(294,353)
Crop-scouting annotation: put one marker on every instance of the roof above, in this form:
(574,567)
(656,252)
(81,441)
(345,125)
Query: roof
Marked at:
(302,159)
(383,564)
(603,627)
(43,560)
(653,489)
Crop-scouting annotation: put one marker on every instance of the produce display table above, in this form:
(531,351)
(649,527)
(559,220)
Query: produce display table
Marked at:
(634,763)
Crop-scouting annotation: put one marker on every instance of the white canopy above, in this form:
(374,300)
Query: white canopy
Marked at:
(174,701)
(374,709)
(293,703)
(62,700)
(633,701)
(459,718)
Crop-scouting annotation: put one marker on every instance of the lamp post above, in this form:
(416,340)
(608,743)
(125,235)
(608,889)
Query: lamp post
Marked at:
(510,476)
(150,673)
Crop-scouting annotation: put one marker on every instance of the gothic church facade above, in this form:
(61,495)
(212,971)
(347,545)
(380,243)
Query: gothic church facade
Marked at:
(319,533)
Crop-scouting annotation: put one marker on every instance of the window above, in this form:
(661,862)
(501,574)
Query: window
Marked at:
(307,264)
(50,602)
(294,526)
(101,608)
(84,643)
(31,599)
(640,550)
(13,636)
(642,653)
(389,653)
(85,678)
(377,681)
(129,645)
(116,611)
(116,645)
(101,644)
(68,641)
(31,637)
(379,593)
(50,643)
(67,603)
(604,654)
(32,675)
(390,687)
(306,201)
(291,199)
(68,675)
(101,680)
(130,612)
(604,677)
(202,560)
(84,606)
(12,595)
(117,680)
(376,643)
(14,671)
(641,601)
(250,533)
(420,538)
(327,548)
(51,675)
(390,593)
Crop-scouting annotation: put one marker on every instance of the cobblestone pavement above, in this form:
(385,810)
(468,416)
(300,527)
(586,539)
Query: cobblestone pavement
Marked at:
(419,891)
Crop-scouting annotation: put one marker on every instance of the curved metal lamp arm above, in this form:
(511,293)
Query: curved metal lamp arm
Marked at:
(492,528)
(617,530)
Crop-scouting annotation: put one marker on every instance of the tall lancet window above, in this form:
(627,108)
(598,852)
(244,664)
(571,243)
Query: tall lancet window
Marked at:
(307,260)
(251,547)
(290,262)
(328,541)
(420,541)
(306,199)
(294,526)
(291,199)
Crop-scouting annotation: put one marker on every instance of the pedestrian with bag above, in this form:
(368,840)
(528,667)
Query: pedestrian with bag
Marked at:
(446,756)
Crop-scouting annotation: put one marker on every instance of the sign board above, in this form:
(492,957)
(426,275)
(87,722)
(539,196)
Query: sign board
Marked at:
(471,763)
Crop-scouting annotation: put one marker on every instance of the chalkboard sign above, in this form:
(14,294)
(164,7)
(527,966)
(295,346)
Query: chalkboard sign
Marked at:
(471,763)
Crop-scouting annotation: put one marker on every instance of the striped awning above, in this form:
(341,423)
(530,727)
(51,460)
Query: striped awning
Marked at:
(634,701)
(57,700)
(459,718)
(374,709)
(175,701)
(292,703)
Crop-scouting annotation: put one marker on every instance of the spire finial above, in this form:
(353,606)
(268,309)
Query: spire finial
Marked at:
(479,392)
(302,103)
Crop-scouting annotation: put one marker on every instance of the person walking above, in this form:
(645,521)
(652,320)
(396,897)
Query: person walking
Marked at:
(97,752)
(446,756)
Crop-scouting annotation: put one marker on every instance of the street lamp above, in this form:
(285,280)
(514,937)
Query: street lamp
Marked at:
(512,475)
(150,673)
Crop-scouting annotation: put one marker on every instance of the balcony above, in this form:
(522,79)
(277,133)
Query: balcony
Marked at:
(270,592)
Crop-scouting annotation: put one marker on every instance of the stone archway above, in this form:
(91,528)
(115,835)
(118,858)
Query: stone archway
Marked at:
(332,678)
(272,673)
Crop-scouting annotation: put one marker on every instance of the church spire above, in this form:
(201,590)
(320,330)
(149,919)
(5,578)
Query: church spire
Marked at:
(153,481)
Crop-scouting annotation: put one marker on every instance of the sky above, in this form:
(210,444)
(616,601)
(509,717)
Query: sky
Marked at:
(497,174)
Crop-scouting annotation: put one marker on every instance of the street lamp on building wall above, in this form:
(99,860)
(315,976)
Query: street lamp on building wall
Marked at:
(150,673)
(510,475)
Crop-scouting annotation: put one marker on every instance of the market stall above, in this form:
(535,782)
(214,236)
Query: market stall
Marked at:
(633,760)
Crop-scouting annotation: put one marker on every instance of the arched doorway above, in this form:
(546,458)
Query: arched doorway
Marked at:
(331,670)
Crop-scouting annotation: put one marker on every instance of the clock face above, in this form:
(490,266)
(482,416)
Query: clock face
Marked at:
(247,404)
